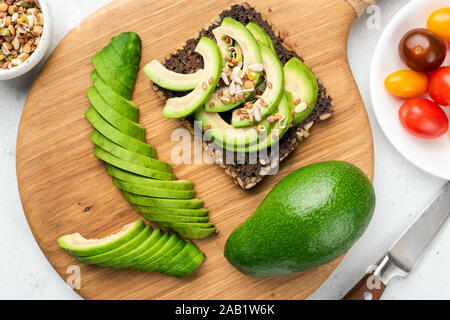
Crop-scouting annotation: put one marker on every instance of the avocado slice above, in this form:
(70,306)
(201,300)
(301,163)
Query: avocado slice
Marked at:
(125,107)
(113,78)
(173,218)
(188,252)
(119,72)
(181,107)
(144,181)
(118,137)
(276,130)
(129,166)
(128,46)
(191,232)
(223,134)
(119,251)
(77,245)
(116,62)
(271,96)
(170,80)
(187,266)
(131,257)
(162,203)
(171,211)
(170,250)
(169,241)
(315,214)
(114,84)
(261,35)
(139,159)
(302,83)
(118,121)
(152,251)
(250,52)
(153,192)
(194,225)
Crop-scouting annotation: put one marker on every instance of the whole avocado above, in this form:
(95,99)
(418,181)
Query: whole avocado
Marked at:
(309,218)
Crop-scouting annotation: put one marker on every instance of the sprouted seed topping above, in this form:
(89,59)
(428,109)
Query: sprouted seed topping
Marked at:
(21,28)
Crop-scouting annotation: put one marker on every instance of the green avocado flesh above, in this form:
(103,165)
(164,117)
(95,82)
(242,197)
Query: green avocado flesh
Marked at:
(139,247)
(123,106)
(277,129)
(118,121)
(162,203)
(172,247)
(115,85)
(170,80)
(174,219)
(302,83)
(187,266)
(144,181)
(129,166)
(99,140)
(190,231)
(171,211)
(224,134)
(181,107)
(117,81)
(123,249)
(153,192)
(271,96)
(123,140)
(310,218)
(76,244)
(261,35)
(250,53)
(131,258)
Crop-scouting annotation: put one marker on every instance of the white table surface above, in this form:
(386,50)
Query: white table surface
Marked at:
(402,190)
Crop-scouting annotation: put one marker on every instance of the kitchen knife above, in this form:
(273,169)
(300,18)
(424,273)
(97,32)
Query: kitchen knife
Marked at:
(403,255)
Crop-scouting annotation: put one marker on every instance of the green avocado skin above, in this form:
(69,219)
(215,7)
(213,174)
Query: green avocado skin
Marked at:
(309,218)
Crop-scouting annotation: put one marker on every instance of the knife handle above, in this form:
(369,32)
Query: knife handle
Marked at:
(369,288)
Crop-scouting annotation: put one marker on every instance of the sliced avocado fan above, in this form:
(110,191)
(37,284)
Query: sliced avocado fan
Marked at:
(139,247)
(120,139)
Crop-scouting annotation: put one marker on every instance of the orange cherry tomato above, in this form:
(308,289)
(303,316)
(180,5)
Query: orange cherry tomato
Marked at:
(439,23)
(406,84)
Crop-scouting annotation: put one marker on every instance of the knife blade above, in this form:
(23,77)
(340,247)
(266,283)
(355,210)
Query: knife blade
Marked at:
(406,251)
(410,246)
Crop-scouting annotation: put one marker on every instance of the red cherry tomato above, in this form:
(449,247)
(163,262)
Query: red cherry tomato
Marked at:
(423,118)
(439,88)
(422,50)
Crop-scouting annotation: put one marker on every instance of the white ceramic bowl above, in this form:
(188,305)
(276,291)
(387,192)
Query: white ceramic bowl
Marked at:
(40,51)
(432,156)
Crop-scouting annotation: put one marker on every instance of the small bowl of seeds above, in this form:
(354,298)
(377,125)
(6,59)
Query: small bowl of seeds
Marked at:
(25,30)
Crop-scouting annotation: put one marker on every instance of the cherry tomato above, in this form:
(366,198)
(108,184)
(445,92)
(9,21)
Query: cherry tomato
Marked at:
(407,84)
(422,50)
(439,23)
(423,118)
(440,86)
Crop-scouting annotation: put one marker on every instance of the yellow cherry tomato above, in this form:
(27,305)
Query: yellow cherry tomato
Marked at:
(439,23)
(407,84)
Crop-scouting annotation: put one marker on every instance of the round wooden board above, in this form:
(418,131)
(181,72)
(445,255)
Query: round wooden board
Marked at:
(65,189)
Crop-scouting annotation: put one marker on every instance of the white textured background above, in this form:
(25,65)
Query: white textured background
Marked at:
(402,190)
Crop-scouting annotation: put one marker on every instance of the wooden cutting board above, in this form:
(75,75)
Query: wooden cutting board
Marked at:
(65,189)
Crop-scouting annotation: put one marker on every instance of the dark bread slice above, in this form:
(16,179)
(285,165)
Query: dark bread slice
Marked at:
(246,170)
